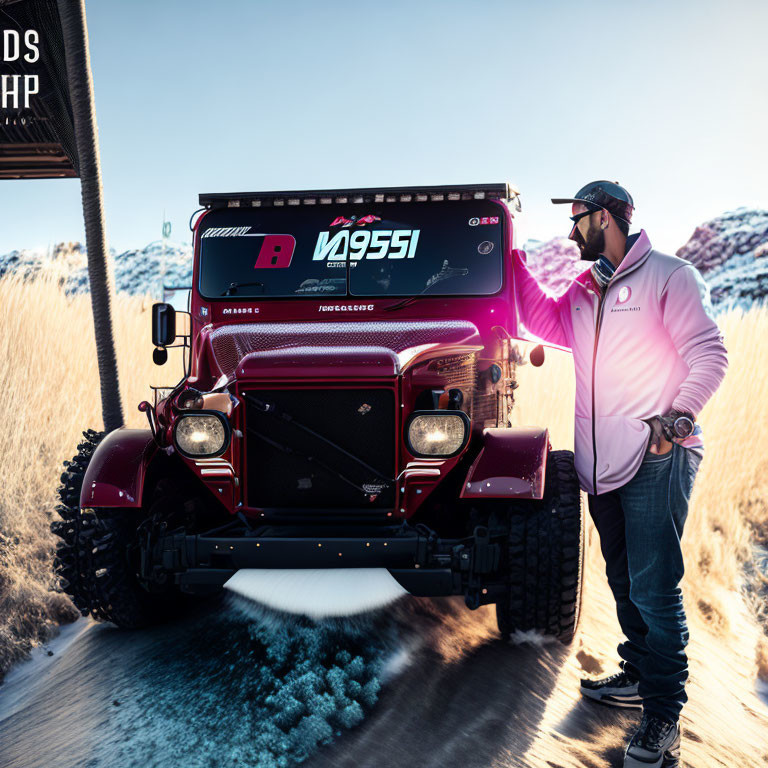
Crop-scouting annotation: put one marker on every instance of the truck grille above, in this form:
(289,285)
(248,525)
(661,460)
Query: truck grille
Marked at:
(320,448)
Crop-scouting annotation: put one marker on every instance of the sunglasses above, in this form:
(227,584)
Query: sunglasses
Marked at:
(575,219)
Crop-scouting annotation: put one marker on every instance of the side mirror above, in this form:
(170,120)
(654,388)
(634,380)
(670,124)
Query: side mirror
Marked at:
(163,325)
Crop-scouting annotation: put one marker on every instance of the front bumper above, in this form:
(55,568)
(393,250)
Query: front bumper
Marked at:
(422,563)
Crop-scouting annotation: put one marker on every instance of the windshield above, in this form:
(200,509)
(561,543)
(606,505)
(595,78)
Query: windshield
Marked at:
(382,249)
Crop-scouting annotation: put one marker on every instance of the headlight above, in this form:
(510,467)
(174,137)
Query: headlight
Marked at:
(437,434)
(201,434)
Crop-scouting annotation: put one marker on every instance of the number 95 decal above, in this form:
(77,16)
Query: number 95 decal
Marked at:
(366,244)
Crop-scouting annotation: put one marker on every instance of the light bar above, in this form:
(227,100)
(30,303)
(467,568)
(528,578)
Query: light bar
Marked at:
(503,191)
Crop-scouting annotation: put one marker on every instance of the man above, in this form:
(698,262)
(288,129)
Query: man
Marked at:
(648,355)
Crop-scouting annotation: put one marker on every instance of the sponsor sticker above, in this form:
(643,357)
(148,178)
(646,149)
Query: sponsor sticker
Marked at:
(240,311)
(276,252)
(345,308)
(479,222)
(226,231)
(366,244)
(360,221)
(485,247)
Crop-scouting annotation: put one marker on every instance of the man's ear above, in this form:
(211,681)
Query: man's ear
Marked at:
(605,219)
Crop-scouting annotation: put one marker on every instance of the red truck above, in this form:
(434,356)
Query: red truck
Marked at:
(345,403)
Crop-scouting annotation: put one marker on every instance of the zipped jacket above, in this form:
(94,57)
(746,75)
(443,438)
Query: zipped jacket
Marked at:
(649,344)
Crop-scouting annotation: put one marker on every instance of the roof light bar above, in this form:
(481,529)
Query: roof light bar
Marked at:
(502,191)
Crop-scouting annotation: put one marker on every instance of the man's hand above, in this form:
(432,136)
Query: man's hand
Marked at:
(661,430)
(658,443)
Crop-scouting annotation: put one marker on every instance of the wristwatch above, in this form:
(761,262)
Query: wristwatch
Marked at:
(678,424)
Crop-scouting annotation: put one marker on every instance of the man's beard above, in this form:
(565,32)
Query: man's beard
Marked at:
(594,245)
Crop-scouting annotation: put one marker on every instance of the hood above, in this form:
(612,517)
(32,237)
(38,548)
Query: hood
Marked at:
(258,346)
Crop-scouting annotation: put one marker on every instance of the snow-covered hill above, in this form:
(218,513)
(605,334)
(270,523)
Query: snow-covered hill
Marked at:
(731,252)
(138,271)
(554,263)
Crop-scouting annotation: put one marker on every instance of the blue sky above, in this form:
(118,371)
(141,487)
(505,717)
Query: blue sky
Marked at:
(668,98)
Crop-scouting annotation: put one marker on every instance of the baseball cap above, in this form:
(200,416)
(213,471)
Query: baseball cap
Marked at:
(604,194)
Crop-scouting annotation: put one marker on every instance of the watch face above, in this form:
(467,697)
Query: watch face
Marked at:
(683,426)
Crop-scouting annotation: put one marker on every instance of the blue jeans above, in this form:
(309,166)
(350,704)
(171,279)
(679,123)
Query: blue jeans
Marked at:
(640,525)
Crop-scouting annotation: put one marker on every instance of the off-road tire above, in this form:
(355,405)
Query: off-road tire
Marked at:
(92,558)
(545,563)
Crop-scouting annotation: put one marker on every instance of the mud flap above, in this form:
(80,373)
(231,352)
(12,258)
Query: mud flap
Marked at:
(511,465)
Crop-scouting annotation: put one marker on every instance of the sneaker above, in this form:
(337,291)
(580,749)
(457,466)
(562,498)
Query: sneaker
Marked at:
(617,690)
(656,744)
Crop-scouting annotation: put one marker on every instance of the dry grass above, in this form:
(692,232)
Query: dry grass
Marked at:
(49,380)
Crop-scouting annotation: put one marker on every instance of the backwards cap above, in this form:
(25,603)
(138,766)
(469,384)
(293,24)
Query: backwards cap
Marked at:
(604,194)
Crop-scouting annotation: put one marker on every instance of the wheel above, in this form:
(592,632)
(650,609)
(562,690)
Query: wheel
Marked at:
(545,557)
(96,559)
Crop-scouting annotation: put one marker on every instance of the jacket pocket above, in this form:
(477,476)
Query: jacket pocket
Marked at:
(621,445)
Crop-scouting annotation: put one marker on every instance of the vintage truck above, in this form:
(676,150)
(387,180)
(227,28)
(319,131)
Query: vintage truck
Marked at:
(346,403)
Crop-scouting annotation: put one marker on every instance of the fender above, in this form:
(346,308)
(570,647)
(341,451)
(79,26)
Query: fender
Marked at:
(511,464)
(116,472)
